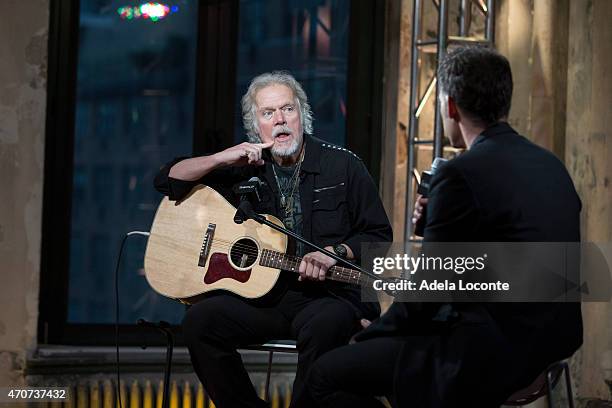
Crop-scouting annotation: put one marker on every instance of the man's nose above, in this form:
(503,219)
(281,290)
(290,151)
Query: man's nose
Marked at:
(279,117)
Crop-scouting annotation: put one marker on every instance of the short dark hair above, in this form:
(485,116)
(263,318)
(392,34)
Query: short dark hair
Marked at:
(479,80)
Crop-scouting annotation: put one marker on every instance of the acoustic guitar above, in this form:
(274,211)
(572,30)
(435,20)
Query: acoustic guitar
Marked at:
(195,247)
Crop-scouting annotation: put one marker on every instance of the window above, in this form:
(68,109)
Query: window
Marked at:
(128,92)
(308,39)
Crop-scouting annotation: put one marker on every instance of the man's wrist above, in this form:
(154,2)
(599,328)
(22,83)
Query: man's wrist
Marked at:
(217,160)
(341,250)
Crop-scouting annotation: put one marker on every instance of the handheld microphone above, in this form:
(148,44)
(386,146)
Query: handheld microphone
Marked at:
(423,190)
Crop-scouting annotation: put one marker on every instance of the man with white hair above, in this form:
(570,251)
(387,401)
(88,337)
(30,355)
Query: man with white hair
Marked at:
(320,191)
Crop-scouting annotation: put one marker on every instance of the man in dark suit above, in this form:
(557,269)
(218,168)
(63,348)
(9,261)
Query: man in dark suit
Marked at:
(502,189)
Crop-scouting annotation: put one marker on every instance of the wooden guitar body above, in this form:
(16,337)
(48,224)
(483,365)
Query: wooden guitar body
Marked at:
(195,247)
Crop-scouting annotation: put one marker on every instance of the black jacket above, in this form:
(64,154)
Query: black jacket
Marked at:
(504,189)
(339,199)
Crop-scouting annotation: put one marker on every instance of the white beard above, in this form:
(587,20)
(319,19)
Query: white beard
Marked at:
(288,151)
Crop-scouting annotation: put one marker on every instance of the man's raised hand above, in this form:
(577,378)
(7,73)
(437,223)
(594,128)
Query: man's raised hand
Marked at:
(419,207)
(243,154)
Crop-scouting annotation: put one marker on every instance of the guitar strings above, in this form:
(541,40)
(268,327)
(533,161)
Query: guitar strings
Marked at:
(248,250)
(240,247)
(339,272)
(233,243)
(244,249)
(254,252)
(292,262)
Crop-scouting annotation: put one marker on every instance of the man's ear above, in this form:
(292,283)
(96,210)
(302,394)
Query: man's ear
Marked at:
(453,111)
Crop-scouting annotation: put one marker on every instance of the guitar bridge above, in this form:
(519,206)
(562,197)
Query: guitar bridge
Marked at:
(205,250)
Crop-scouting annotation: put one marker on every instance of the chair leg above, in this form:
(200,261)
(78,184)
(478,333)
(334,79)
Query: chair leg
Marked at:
(549,396)
(568,384)
(269,373)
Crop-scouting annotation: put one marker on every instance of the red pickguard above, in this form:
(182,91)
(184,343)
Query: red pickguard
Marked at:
(220,268)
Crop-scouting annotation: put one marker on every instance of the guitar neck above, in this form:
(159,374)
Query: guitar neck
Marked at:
(278,260)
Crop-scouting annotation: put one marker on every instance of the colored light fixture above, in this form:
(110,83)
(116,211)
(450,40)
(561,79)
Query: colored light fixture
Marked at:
(150,11)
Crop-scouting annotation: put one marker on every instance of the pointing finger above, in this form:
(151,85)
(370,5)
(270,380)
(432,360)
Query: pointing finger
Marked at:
(265,145)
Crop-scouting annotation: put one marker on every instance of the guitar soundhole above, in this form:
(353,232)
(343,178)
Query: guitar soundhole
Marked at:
(244,253)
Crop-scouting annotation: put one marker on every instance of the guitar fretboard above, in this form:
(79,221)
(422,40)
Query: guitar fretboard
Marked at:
(277,260)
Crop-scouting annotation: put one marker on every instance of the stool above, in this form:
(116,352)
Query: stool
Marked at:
(273,346)
(543,385)
(279,346)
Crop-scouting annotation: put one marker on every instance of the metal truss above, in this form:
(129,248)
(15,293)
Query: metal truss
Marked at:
(417,101)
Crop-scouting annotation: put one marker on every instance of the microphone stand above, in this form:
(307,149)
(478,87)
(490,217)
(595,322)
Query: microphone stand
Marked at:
(245,211)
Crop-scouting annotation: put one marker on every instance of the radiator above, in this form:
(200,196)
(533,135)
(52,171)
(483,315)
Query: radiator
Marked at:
(143,393)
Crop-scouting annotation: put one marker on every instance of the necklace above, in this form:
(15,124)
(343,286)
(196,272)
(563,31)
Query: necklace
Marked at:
(286,194)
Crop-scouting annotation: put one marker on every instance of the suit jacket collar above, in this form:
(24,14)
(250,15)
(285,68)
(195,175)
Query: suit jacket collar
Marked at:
(493,130)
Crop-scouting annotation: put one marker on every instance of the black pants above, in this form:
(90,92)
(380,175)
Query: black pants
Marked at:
(471,365)
(351,376)
(216,326)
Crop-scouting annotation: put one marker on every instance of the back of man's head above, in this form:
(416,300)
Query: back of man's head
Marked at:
(479,80)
